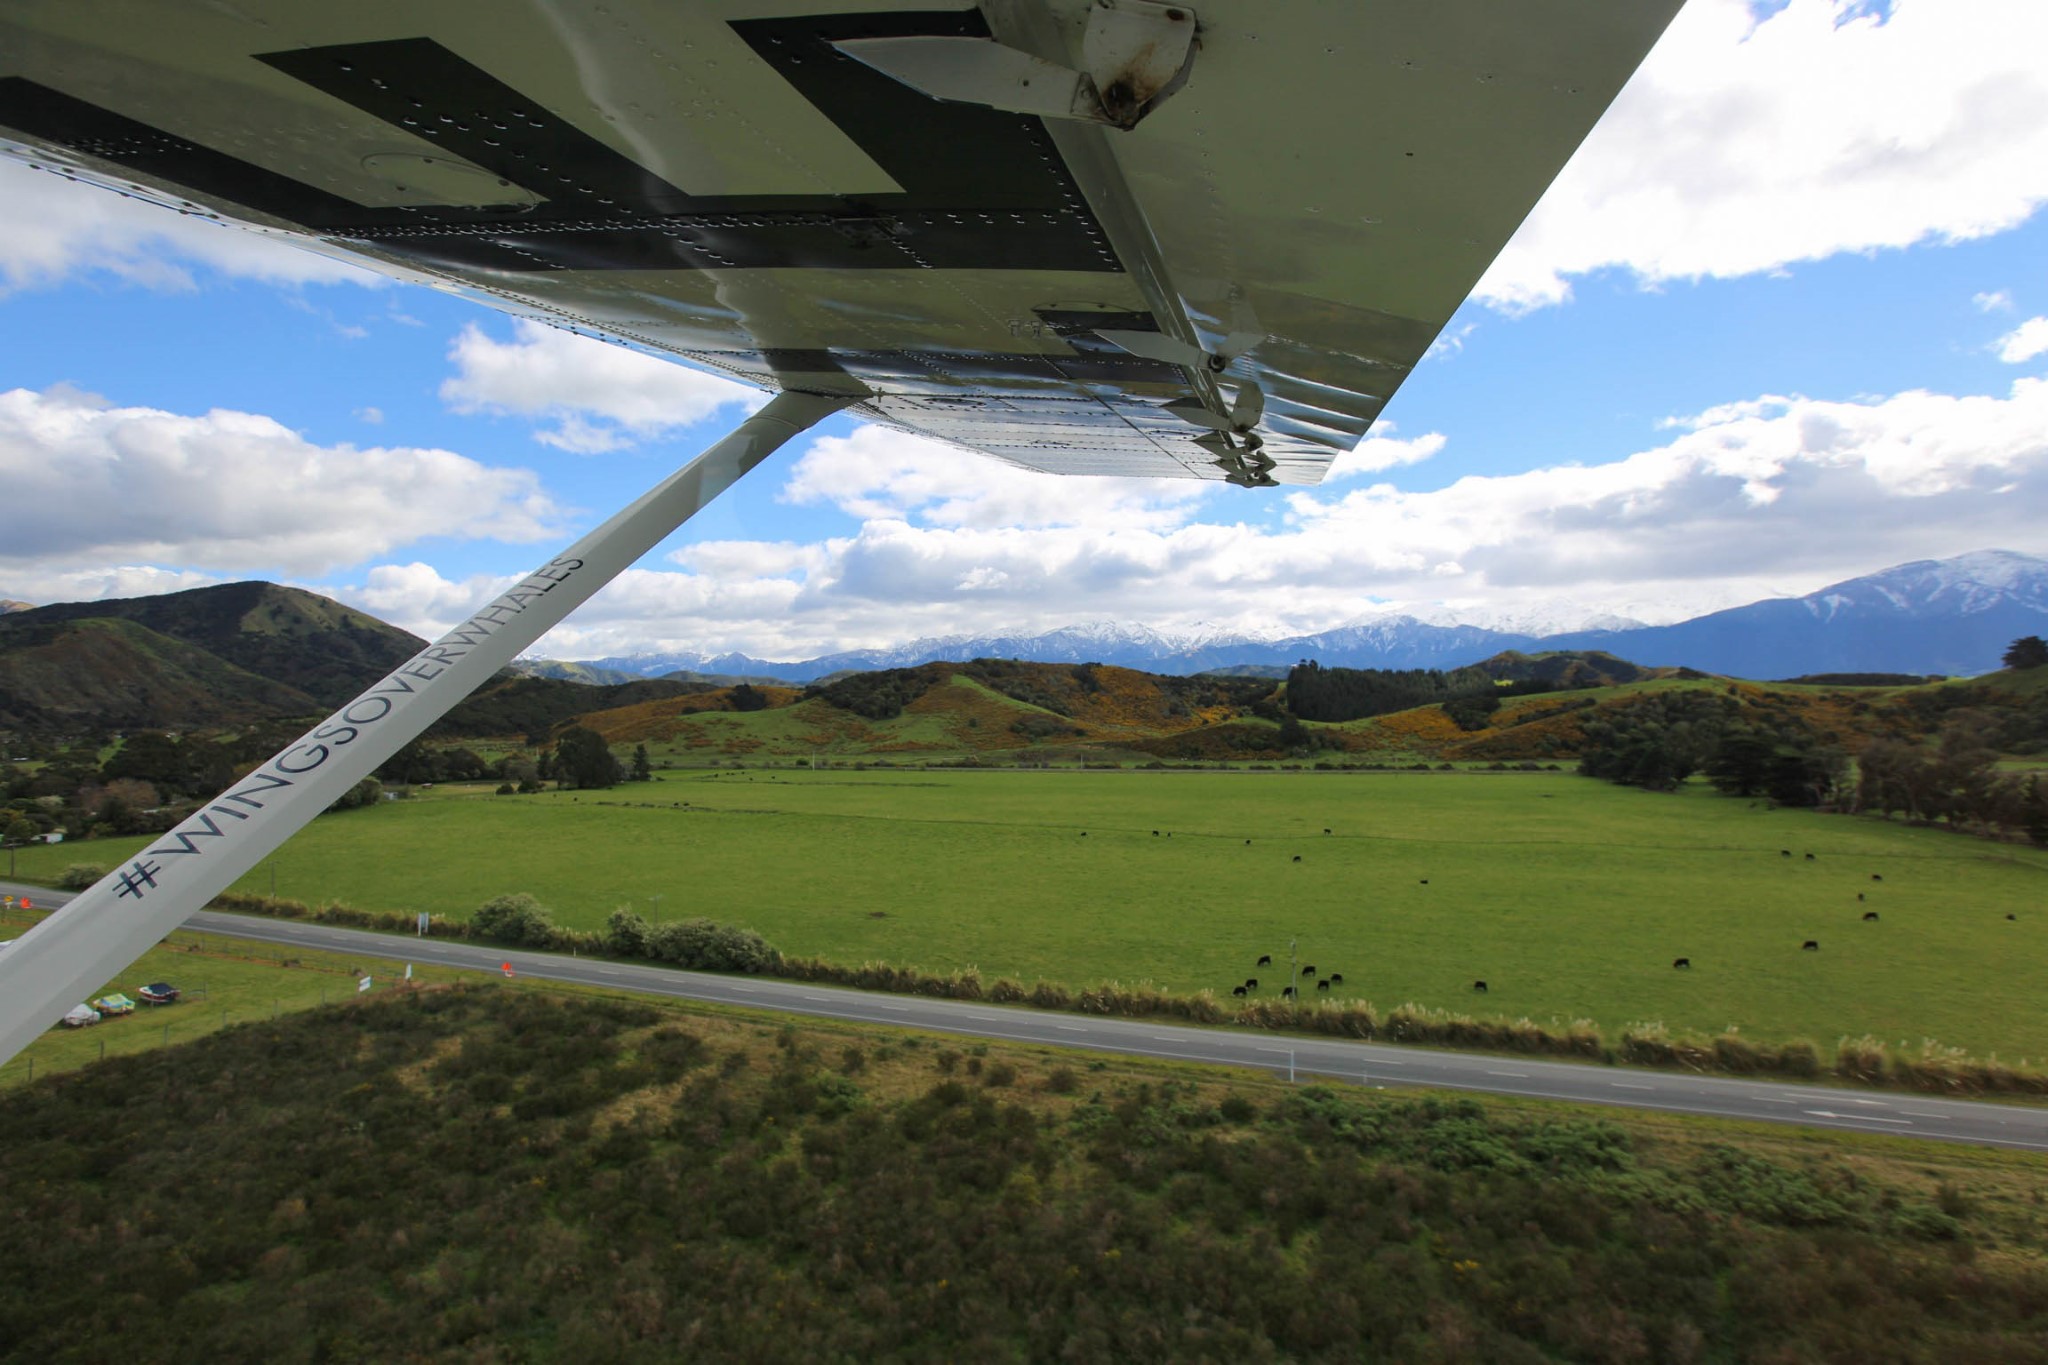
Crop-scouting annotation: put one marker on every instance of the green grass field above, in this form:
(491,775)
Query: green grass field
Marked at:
(224,982)
(1569,897)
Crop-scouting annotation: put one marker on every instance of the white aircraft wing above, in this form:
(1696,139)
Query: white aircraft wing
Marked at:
(1081,236)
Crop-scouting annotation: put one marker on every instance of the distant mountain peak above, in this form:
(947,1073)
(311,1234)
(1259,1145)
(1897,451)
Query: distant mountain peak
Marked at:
(1952,615)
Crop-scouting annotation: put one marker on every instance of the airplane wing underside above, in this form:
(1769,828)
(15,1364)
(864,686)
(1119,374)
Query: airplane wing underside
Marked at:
(1082,236)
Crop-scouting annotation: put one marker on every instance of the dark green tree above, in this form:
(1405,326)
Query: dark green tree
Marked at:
(583,759)
(2029,651)
(1742,763)
(642,768)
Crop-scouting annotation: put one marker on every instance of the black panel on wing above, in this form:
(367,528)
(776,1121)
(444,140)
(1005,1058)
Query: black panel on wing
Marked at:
(982,190)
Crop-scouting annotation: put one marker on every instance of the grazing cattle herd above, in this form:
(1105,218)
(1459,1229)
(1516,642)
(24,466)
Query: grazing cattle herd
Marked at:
(1324,984)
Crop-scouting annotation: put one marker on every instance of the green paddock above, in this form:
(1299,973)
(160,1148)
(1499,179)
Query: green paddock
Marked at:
(1569,897)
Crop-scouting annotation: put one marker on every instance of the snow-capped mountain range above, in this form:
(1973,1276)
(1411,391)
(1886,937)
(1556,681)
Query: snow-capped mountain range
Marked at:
(1948,616)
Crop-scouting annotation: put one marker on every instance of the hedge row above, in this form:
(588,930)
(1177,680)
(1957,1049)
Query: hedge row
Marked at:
(703,945)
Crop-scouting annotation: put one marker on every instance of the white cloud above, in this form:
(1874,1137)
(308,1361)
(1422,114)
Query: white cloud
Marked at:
(56,229)
(1748,500)
(1745,145)
(89,483)
(598,396)
(2024,342)
(373,416)
(878,472)
(1376,453)
(1993,301)
(34,583)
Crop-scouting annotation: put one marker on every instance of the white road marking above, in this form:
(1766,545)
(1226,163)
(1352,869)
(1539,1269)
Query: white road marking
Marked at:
(1627,1085)
(1281,1050)
(1854,1118)
(1915,1113)
(1072,1028)
(1516,1075)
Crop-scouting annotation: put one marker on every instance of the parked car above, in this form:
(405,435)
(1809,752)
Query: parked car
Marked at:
(158,993)
(113,1004)
(78,1016)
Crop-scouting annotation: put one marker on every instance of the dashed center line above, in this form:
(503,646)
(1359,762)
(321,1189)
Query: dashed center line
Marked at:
(1629,1085)
(1072,1028)
(1516,1075)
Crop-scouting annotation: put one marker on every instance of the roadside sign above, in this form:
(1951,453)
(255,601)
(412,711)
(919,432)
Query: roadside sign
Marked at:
(362,985)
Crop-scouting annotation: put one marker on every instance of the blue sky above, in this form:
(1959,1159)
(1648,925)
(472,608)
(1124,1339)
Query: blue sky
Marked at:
(1783,321)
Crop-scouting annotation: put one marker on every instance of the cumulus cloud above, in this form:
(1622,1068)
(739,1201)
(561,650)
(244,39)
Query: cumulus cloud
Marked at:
(57,229)
(1780,494)
(1379,453)
(2024,342)
(39,585)
(1749,143)
(597,396)
(878,472)
(91,483)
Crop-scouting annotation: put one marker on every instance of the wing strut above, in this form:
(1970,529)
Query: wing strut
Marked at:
(73,952)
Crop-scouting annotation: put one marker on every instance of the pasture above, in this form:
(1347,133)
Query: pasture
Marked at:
(1569,897)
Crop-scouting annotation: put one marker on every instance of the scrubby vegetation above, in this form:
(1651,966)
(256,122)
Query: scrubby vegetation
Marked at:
(495,1175)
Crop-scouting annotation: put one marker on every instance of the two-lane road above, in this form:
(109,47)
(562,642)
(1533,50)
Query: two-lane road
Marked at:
(1863,1111)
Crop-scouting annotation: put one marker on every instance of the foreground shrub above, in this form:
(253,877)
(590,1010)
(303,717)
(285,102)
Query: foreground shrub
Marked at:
(79,876)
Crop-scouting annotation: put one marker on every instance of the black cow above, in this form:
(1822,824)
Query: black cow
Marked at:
(1326,831)
(1425,881)
(1809,946)
(1809,857)
(1869,915)
(2012,916)
(1308,970)
(1479,985)
(1084,834)
(1155,834)
(1322,985)
(1682,963)
(1859,895)
(1337,978)
(1876,877)
(1247,843)
(1297,857)
(1784,853)
(1287,993)
(1237,990)
(1265,960)
(1251,983)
